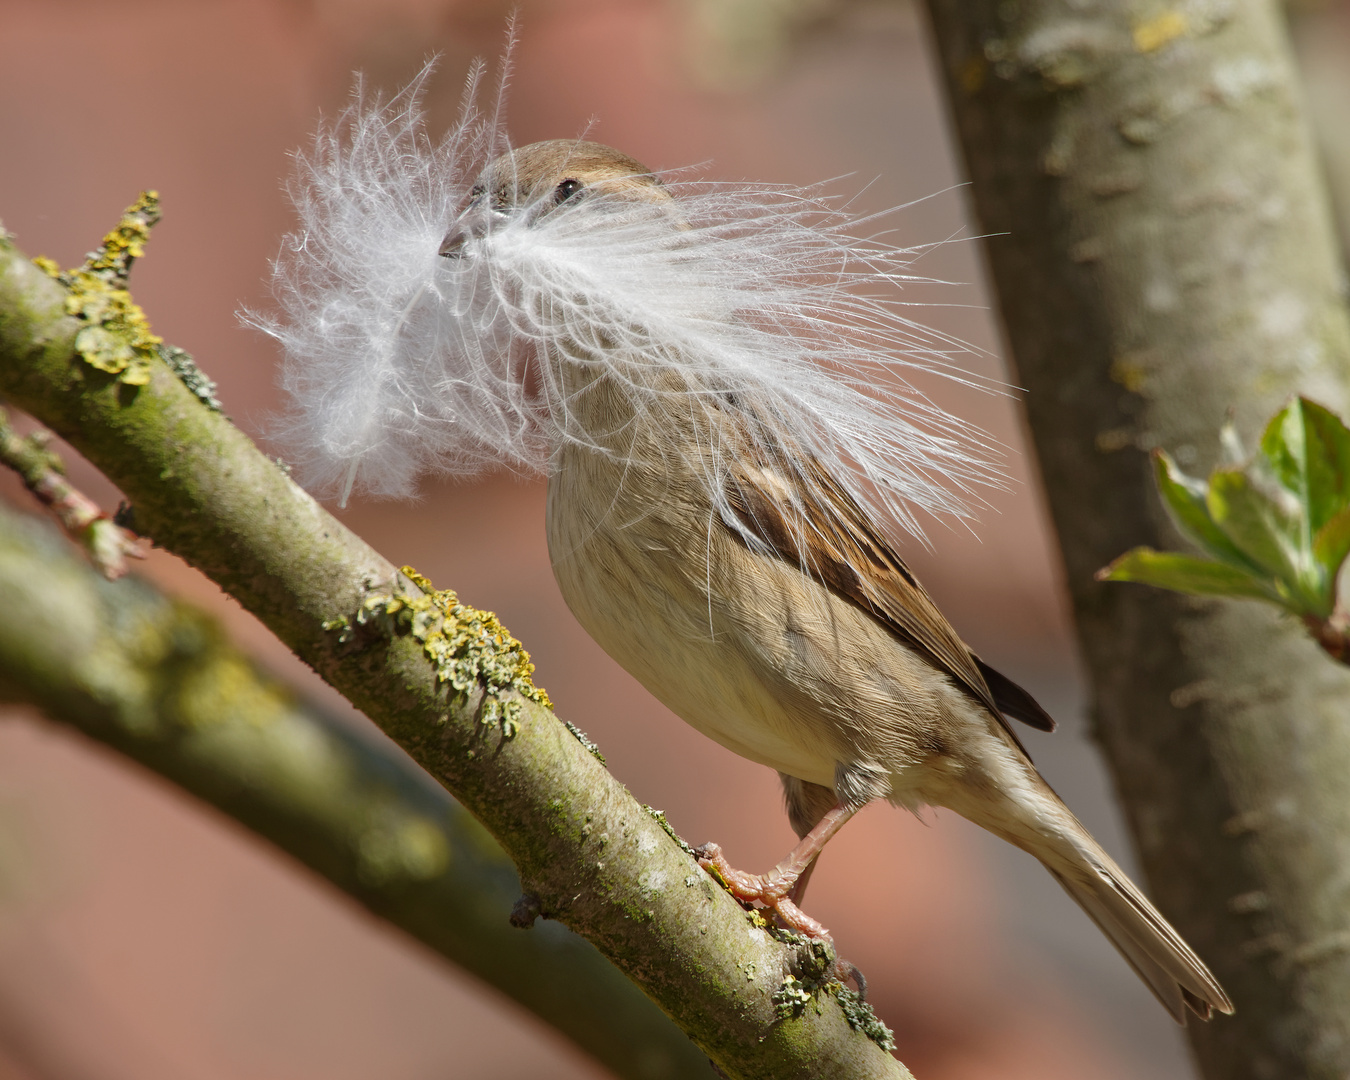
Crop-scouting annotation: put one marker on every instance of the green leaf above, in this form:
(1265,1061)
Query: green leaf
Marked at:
(1308,450)
(1330,548)
(1269,526)
(1278,524)
(1285,448)
(1185,498)
(1328,449)
(1187,574)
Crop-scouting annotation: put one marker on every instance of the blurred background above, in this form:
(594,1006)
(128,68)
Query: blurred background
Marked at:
(143,936)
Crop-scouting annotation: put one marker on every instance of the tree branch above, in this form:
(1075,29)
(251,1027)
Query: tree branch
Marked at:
(586,851)
(1162,251)
(156,680)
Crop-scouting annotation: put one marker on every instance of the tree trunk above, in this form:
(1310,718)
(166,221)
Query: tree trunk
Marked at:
(1163,253)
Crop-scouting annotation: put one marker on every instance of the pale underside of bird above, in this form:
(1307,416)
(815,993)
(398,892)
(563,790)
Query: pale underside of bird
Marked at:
(723,541)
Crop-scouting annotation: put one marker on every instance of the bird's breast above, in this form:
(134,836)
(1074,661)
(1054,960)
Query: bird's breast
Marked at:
(743,646)
(630,551)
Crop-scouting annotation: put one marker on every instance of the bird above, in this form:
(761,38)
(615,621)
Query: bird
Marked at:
(771,611)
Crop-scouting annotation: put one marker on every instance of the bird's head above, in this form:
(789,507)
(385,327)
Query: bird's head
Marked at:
(551,177)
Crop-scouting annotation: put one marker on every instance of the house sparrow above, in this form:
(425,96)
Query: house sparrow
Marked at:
(782,624)
(715,392)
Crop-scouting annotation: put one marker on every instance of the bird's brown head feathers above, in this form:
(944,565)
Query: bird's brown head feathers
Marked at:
(547,176)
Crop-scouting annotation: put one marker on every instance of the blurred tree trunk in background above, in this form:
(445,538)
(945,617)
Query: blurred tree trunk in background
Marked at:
(1321,35)
(1163,252)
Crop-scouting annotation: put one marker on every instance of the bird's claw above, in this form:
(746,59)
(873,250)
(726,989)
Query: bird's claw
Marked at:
(771,890)
(844,970)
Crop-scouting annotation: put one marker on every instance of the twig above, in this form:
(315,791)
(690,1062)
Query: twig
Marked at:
(1332,634)
(107,543)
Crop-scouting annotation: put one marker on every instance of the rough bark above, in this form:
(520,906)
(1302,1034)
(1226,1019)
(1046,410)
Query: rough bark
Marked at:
(1162,253)
(588,853)
(157,681)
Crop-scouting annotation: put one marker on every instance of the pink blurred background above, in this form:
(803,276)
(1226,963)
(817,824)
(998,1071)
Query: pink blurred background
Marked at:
(143,936)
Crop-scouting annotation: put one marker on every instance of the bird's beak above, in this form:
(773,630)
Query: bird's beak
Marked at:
(475,220)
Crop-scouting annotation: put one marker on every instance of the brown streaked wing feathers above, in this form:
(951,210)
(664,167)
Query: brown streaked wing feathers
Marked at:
(847,553)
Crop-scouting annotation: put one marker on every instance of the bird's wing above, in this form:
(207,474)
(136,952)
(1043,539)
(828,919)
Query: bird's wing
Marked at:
(1013,701)
(832,538)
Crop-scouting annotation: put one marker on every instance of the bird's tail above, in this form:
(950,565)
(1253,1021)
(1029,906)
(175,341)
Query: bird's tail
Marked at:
(1178,978)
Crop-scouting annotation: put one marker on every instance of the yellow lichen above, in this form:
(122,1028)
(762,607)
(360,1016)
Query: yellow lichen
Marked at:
(127,241)
(1130,371)
(1154,33)
(117,339)
(468,647)
(792,997)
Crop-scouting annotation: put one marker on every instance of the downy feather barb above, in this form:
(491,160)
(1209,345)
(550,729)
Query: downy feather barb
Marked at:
(399,362)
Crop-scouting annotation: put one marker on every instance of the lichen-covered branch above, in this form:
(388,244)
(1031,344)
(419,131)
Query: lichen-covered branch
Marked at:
(586,851)
(157,681)
(1163,253)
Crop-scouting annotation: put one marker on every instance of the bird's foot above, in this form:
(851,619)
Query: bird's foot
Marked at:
(773,890)
(845,970)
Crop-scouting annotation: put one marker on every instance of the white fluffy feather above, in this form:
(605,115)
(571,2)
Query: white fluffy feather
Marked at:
(400,362)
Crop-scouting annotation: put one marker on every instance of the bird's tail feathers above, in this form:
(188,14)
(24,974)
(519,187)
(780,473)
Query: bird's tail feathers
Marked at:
(1178,978)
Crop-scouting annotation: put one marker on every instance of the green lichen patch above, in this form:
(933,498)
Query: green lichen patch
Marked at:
(814,963)
(792,997)
(116,338)
(585,741)
(181,363)
(659,816)
(860,1016)
(796,940)
(468,647)
(811,964)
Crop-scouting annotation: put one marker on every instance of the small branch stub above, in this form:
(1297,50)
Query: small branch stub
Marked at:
(525,911)
(116,338)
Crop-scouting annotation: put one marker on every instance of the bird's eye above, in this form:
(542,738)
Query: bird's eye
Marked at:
(565,191)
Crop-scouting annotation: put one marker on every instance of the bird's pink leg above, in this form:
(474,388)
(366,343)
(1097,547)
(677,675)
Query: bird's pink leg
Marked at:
(774,889)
